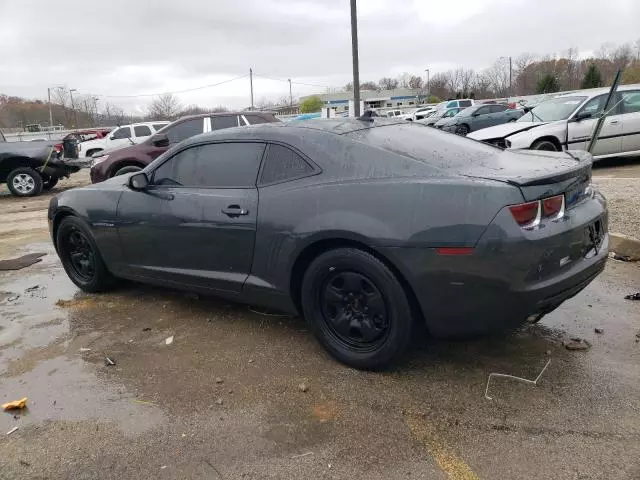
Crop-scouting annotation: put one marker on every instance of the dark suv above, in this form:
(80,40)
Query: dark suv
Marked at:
(110,163)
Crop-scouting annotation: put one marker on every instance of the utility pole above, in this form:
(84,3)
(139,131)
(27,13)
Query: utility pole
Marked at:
(251,85)
(428,88)
(50,112)
(290,94)
(510,77)
(354,54)
(73,108)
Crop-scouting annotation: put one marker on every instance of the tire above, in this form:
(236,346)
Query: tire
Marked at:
(128,169)
(546,145)
(24,182)
(49,182)
(462,130)
(353,286)
(81,257)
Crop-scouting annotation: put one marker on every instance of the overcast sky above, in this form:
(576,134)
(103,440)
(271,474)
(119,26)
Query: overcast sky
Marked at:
(130,47)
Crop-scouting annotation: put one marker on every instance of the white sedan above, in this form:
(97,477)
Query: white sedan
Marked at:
(567,122)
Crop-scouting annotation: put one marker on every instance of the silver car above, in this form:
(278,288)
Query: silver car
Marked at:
(567,123)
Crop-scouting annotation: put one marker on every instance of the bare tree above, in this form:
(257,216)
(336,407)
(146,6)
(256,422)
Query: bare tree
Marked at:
(348,87)
(416,82)
(165,107)
(498,76)
(403,79)
(369,86)
(438,86)
(622,56)
(465,77)
(572,65)
(112,115)
(388,83)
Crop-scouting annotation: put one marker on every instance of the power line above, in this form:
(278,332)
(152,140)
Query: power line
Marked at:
(173,92)
(292,81)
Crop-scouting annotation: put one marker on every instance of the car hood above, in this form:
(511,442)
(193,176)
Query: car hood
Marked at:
(505,130)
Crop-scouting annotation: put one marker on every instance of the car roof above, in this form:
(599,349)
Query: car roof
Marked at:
(592,92)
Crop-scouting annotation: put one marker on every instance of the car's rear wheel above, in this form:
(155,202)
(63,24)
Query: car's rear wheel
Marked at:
(49,182)
(546,145)
(462,130)
(128,169)
(357,308)
(24,182)
(80,256)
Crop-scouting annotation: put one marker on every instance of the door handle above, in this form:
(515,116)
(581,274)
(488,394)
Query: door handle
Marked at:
(613,122)
(235,211)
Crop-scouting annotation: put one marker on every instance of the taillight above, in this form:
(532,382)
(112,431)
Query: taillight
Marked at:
(552,206)
(526,214)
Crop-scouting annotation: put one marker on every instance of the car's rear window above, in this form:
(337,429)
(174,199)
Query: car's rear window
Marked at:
(425,144)
(464,103)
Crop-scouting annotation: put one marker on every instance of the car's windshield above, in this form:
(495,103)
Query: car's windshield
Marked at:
(553,110)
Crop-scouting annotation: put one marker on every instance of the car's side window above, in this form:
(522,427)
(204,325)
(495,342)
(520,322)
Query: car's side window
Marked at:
(631,101)
(184,130)
(282,163)
(142,131)
(595,106)
(227,121)
(122,132)
(483,111)
(498,108)
(216,165)
(255,119)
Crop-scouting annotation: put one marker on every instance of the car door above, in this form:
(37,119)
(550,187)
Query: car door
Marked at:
(119,137)
(581,126)
(630,121)
(141,133)
(481,118)
(195,224)
(497,115)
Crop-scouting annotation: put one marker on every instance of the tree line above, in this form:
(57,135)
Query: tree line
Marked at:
(526,74)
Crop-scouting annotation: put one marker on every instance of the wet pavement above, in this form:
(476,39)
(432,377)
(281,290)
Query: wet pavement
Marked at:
(223,400)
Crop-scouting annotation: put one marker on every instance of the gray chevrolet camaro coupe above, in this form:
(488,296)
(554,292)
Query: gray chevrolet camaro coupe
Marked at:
(364,227)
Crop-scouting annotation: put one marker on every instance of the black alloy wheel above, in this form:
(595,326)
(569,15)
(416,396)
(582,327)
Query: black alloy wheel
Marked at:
(545,145)
(357,308)
(80,256)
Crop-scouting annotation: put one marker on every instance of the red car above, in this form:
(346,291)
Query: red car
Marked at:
(109,163)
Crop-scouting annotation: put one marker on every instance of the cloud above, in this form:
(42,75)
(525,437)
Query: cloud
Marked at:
(129,47)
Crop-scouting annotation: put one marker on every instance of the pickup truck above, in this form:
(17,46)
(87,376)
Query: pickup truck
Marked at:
(477,117)
(122,136)
(30,167)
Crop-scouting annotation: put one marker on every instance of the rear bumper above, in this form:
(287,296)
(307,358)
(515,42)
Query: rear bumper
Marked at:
(508,277)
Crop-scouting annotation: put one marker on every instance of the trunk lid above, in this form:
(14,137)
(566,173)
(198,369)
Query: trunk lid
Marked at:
(538,174)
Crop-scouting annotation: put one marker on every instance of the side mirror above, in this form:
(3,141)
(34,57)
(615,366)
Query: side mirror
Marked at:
(112,137)
(160,140)
(581,116)
(139,181)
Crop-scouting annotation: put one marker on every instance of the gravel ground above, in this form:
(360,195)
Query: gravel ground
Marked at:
(619,181)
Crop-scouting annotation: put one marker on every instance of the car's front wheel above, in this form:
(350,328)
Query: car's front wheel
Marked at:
(357,308)
(80,256)
(546,145)
(462,130)
(24,182)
